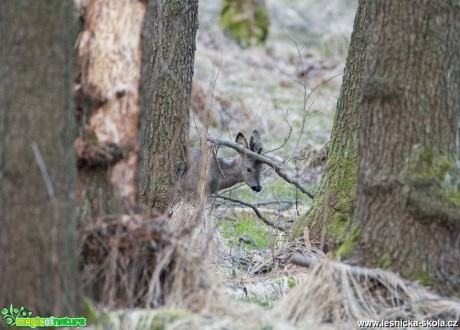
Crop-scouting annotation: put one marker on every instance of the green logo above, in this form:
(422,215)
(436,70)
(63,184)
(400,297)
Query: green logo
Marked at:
(11,314)
(21,317)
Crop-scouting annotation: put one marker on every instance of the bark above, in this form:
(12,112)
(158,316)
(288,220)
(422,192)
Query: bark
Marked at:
(169,48)
(407,214)
(331,211)
(38,236)
(109,68)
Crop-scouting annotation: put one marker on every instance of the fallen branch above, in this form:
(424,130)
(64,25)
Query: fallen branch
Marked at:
(280,201)
(256,211)
(265,160)
(308,262)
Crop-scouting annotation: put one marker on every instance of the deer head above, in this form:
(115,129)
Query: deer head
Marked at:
(251,169)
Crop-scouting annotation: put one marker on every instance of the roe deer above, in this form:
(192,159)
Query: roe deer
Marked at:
(228,171)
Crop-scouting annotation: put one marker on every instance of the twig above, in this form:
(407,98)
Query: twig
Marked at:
(265,160)
(214,155)
(286,139)
(235,187)
(256,211)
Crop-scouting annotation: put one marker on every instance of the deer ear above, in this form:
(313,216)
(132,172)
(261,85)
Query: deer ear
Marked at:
(255,142)
(240,139)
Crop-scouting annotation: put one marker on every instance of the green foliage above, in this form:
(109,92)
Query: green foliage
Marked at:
(291,282)
(246,21)
(253,232)
(165,317)
(248,229)
(264,302)
(89,311)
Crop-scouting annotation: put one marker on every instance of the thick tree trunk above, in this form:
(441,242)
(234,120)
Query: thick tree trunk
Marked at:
(38,236)
(331,210)
(169,49)
(109,67)
(407,214)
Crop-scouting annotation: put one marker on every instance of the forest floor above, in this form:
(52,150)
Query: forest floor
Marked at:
(263,87)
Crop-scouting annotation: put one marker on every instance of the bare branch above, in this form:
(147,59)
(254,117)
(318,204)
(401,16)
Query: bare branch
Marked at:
(308,262)
(256,211)
(286,139)
(304,261)
(275,201)
(265,160)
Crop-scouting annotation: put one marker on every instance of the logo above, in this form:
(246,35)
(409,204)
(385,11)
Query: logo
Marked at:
(21,317)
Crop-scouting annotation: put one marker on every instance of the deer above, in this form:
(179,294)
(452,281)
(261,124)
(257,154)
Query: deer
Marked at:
(227,172)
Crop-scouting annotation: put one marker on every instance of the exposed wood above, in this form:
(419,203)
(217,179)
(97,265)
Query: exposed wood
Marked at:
(107,87)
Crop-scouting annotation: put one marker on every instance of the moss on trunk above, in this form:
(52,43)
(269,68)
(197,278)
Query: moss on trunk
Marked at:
(329,216)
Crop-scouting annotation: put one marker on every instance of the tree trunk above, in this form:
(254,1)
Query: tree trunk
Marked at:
(109,67)
(331,211)
(38,236)
(407,216)
(169,48)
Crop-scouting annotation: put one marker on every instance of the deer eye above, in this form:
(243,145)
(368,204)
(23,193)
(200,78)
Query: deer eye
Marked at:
(248,169)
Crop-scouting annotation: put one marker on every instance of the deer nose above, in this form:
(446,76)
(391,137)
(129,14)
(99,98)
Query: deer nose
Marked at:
(256,188)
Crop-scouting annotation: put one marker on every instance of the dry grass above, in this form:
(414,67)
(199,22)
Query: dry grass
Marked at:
(129,261)
(133,262)
(340,294)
